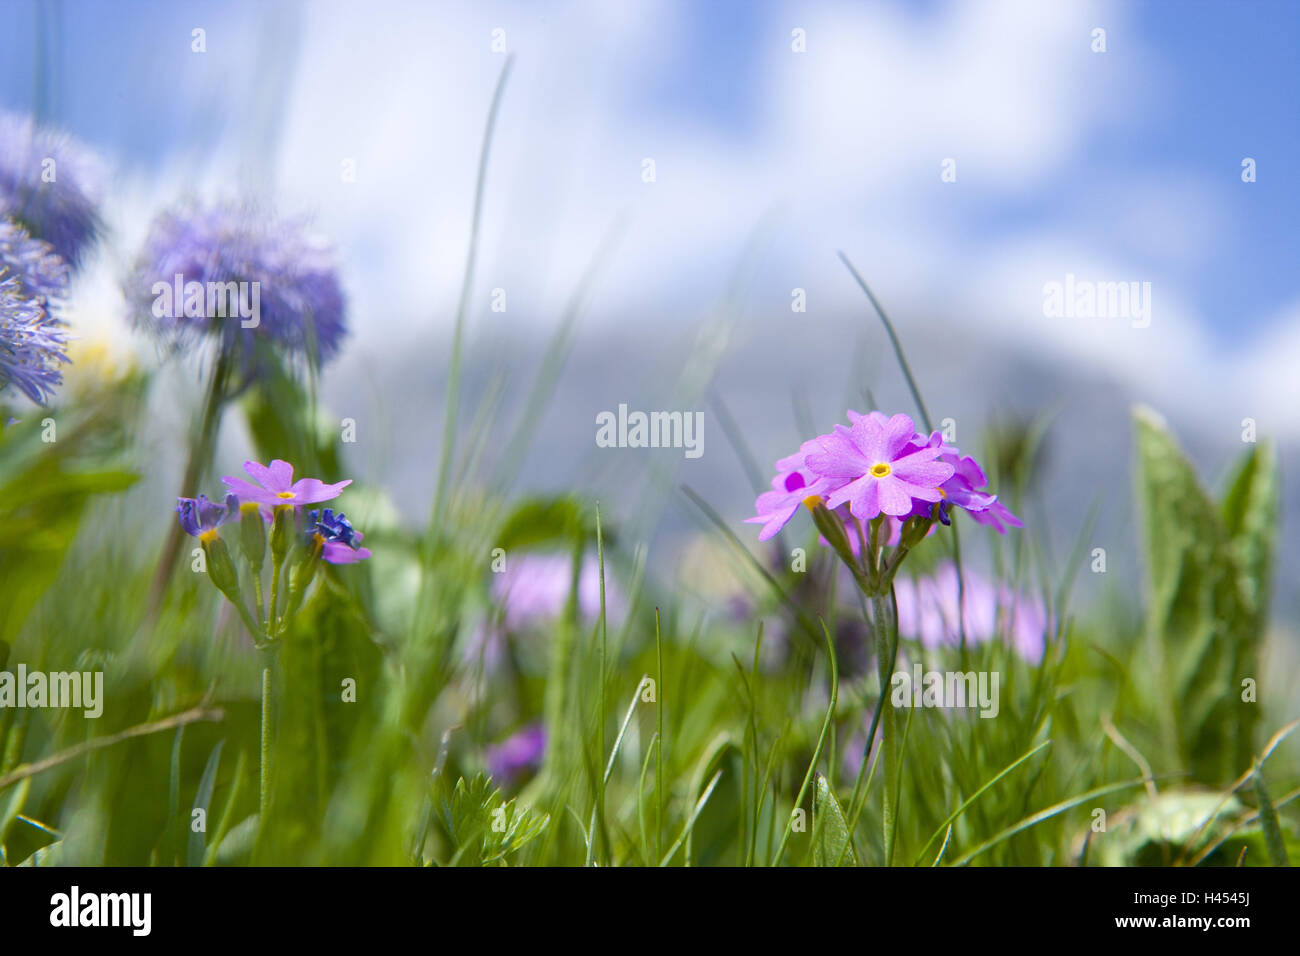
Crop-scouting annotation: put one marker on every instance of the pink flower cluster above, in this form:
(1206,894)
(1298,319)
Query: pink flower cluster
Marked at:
(876,466)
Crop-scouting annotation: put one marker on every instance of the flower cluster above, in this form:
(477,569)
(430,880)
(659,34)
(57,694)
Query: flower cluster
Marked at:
(875,483)
(33,343)
(300,308)
(48,185)
(272,499)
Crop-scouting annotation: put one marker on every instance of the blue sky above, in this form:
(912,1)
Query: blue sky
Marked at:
(1123,165)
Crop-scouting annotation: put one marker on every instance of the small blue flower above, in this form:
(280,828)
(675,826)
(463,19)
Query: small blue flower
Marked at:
(47,185)
(332,527)
(199,515)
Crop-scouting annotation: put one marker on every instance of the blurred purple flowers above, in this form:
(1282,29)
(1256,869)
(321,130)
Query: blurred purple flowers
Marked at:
(33,343)
(48,185)
(250,281)
(928,612)
(536,587)
(518,754)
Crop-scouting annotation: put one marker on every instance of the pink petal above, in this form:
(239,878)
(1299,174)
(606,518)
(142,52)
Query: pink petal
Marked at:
(894,499)
(917,470)
(840,457)
(310,491)
(865,503)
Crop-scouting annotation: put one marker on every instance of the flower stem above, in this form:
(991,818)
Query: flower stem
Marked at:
(885,628)
(277,562)
(202,444)
(264,801)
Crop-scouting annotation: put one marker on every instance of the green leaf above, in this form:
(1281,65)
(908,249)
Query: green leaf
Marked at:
(832,842)
(202,799)
(545,521)
(51,855)
(1202,633)
(1250,514)
(1268,822)
(16,800)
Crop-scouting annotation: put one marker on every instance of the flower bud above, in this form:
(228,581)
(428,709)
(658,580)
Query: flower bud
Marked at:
(252,534)
(282,532)
(832,529)
(305,572)
(221,570)
(914,531)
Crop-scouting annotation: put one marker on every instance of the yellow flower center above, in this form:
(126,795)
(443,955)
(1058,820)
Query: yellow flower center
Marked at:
(880,470)
(207,536)
(286,494)
(812,502)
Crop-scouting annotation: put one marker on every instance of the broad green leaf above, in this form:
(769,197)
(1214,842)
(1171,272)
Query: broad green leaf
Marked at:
(830,830)
(1202,635)
(1250,514)
(1156,832)
(545,521)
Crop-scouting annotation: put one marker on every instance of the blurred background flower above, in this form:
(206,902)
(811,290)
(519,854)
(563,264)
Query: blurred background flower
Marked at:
(33,340)
(48,184)
(285,278)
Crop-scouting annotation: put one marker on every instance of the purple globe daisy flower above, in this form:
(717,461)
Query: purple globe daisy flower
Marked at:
(32,342)
(519,753)
(275,486)
(48,184)
(199,516)
(250,281)
(883,470)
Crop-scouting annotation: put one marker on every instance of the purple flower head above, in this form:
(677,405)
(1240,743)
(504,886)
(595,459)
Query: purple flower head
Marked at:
(33,343)
(519,753)
(48,185)
(200,516)
(536,587)
(339,539)
(248,280)
(882,468)
(927,611)
(966,489)
(792,484)
(275,486)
